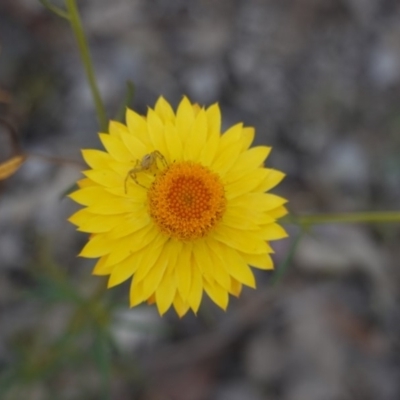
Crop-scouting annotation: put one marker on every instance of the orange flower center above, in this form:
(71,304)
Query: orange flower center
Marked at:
(187,200)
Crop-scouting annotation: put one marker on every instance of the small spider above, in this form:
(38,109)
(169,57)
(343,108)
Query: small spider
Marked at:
(146,164)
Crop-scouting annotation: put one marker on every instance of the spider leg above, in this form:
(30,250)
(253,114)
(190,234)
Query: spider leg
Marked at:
(132,174)
(126,182)
(129,175)
(159,155)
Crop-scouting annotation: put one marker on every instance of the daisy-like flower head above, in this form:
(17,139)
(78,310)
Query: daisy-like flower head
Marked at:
(179,208)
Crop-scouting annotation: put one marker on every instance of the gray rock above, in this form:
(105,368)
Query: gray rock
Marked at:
(340,250)
(204,82)
(345,165)
(239,390)
(315,389)
(264,359)
(132,329)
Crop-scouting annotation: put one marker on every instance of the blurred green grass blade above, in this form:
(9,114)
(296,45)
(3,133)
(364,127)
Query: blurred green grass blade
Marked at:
(83,46)
(101,356)
(8,379)
(129,94)
(69,190)
(53,291)
(56,10)
(282,268)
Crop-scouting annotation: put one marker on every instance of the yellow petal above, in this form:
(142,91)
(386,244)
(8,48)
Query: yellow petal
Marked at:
(112,206)
(105,177)
(164,110)
(181,308)
(209,150)
(115,147)
(213,114)
(184,118)
(271,180)
(197,137)
(154,277)
(183,275)
(174,143)
(100,268)
(247,137)
(96,159)
(260,261)
(119,252)
(85,182)
(136,293)
(196,288)
(134,192)
(135,147)
(217,294)
(151,257)
(126,268)
(209,264)
(248,242)
(265,219)
(236,288)
(165,293)
(220,274)
(168,257)
(131,224)
(137,127)
(122,168)
(133,243)
(278,212)
(196,109)
(263,202)
(273,232)
(231,136)
(90,195)
(271,201)
(230,146)
(115,128)
(98,246)
(151,300)
(248,161)
(241,218)
(247,183)
(237,266)
(226,158)
(79,217)
(156,132)
(201,254)
(99,223)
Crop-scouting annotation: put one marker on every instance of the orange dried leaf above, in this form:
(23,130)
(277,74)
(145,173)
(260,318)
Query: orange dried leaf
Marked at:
(9,167)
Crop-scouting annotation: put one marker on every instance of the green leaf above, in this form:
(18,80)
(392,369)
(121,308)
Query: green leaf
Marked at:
(101,356)
(281,269)
(56,10)
(130,93)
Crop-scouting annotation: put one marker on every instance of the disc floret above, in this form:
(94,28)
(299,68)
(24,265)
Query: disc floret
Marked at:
(187,200)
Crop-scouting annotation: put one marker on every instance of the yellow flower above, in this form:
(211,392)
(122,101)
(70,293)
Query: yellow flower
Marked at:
(179,208)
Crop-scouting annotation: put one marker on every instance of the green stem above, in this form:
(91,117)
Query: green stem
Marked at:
(281,270)
(130,91)
(77,28)
(56,10)
(366,217)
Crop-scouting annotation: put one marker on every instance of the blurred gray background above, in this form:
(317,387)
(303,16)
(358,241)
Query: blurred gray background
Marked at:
(320,81)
